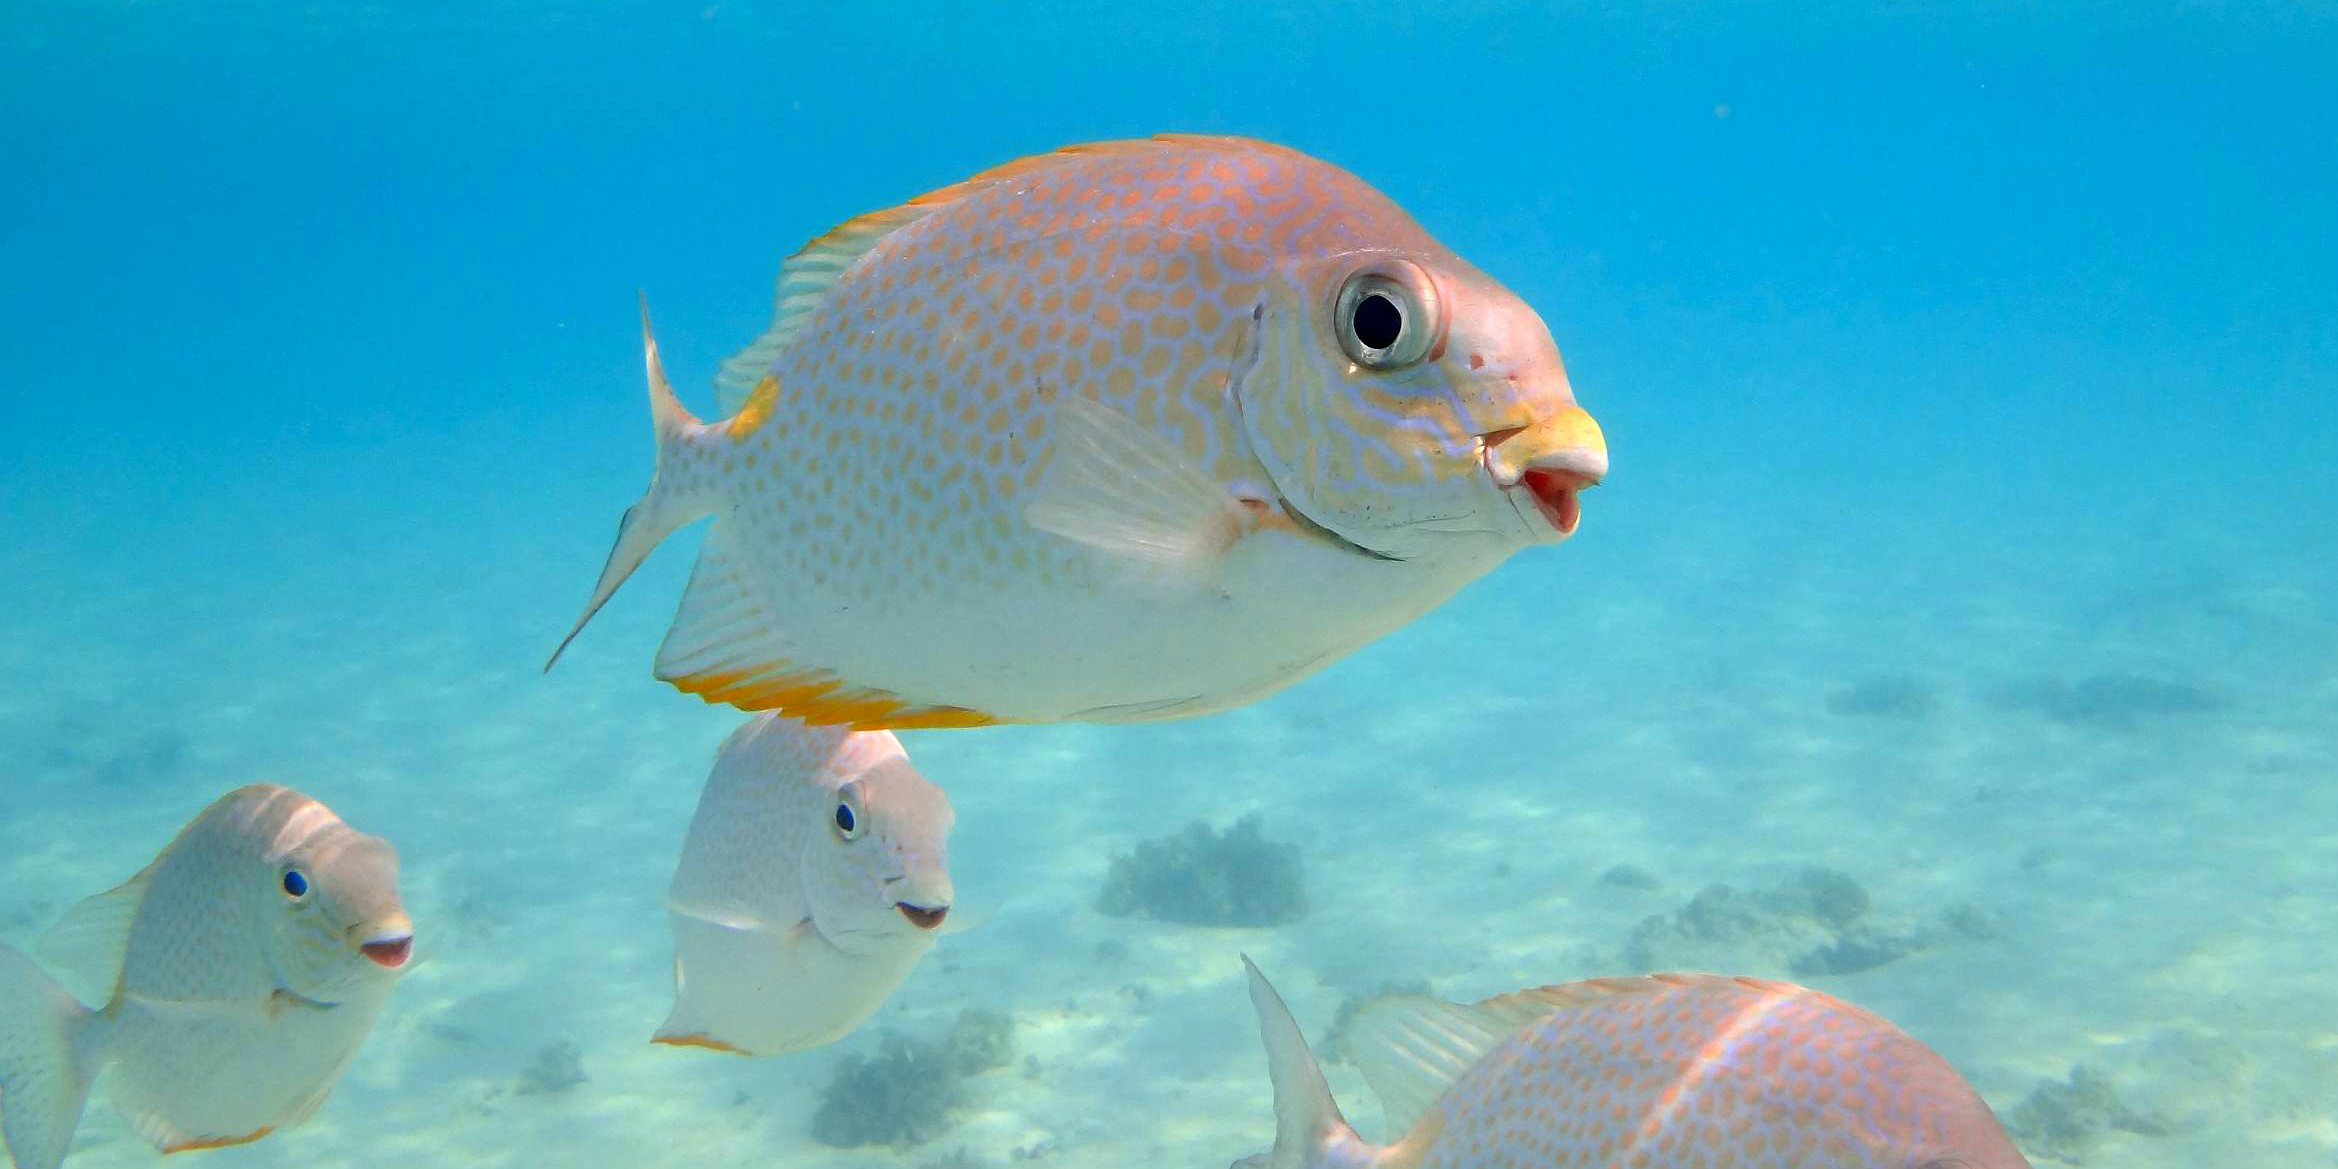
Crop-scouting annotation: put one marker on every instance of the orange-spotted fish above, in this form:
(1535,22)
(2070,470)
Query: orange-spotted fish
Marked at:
(815,876)
(1670,1071)
(1130,431)
(245,967)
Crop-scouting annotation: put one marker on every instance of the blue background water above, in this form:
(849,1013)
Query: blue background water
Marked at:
(1983,347)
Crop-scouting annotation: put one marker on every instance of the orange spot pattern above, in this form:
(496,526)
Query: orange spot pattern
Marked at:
(915,403)
(1705,1072)
(879,474)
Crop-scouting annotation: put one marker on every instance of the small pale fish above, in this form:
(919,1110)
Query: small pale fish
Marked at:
(1131,431)
(814,877)
(245,966)
(1669,1071)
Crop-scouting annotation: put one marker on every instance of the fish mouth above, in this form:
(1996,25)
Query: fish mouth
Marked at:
(1550,463)
(923,917)
(389,951)
(1555,494)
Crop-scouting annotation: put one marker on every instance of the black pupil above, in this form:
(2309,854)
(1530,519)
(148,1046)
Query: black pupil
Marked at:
(295,884)
(1378,322)
(843,818)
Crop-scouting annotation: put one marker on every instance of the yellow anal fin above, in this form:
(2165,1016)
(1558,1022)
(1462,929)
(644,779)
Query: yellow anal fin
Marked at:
(819,698)
(200,1143)
(933,718)
(776,688)
(708,1042)
(725,647)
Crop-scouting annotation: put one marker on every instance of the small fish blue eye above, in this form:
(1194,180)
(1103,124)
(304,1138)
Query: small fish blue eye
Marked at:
(845,821)
(295,885)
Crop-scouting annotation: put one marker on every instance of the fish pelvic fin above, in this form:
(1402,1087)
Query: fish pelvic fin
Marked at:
(679,492)
(1310,1133)
(48,1055)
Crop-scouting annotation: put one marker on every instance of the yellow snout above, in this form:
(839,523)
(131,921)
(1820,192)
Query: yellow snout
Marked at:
(1567,442)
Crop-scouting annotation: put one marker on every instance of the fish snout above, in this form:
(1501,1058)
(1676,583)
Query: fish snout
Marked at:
(390,944)
(1549,461)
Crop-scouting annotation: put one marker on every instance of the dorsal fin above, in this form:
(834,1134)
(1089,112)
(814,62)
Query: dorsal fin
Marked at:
(1411,1048)
(86,946)
(806,276)
(804,281)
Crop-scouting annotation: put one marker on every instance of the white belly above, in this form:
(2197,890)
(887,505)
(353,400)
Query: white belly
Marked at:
(1113,645)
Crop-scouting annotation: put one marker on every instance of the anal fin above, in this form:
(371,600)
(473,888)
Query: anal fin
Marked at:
(198,1144)
(725,646)
(708,1042)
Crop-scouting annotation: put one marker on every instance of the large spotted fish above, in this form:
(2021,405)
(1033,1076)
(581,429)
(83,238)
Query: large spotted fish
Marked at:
(240,973)
(1135,430)
(1670,1071)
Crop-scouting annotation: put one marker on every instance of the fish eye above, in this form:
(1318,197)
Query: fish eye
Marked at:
(1388,315)
(295,884)
(847,817)
(1377,322)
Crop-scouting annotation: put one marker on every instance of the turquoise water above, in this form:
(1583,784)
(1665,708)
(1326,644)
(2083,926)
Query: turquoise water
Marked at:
(1969,373)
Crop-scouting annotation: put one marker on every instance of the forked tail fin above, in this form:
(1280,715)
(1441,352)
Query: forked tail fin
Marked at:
(46,1063)
(1310,1133)
(675,497)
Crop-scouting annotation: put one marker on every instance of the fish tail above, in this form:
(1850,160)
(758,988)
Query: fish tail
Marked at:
(676,496)
(1310,1133)
(47,1059)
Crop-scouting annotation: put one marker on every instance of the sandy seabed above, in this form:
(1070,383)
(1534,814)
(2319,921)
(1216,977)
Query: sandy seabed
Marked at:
(2088,821)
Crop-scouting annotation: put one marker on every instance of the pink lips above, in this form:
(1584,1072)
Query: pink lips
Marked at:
(1554,494)
(921,917)
(390,953)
